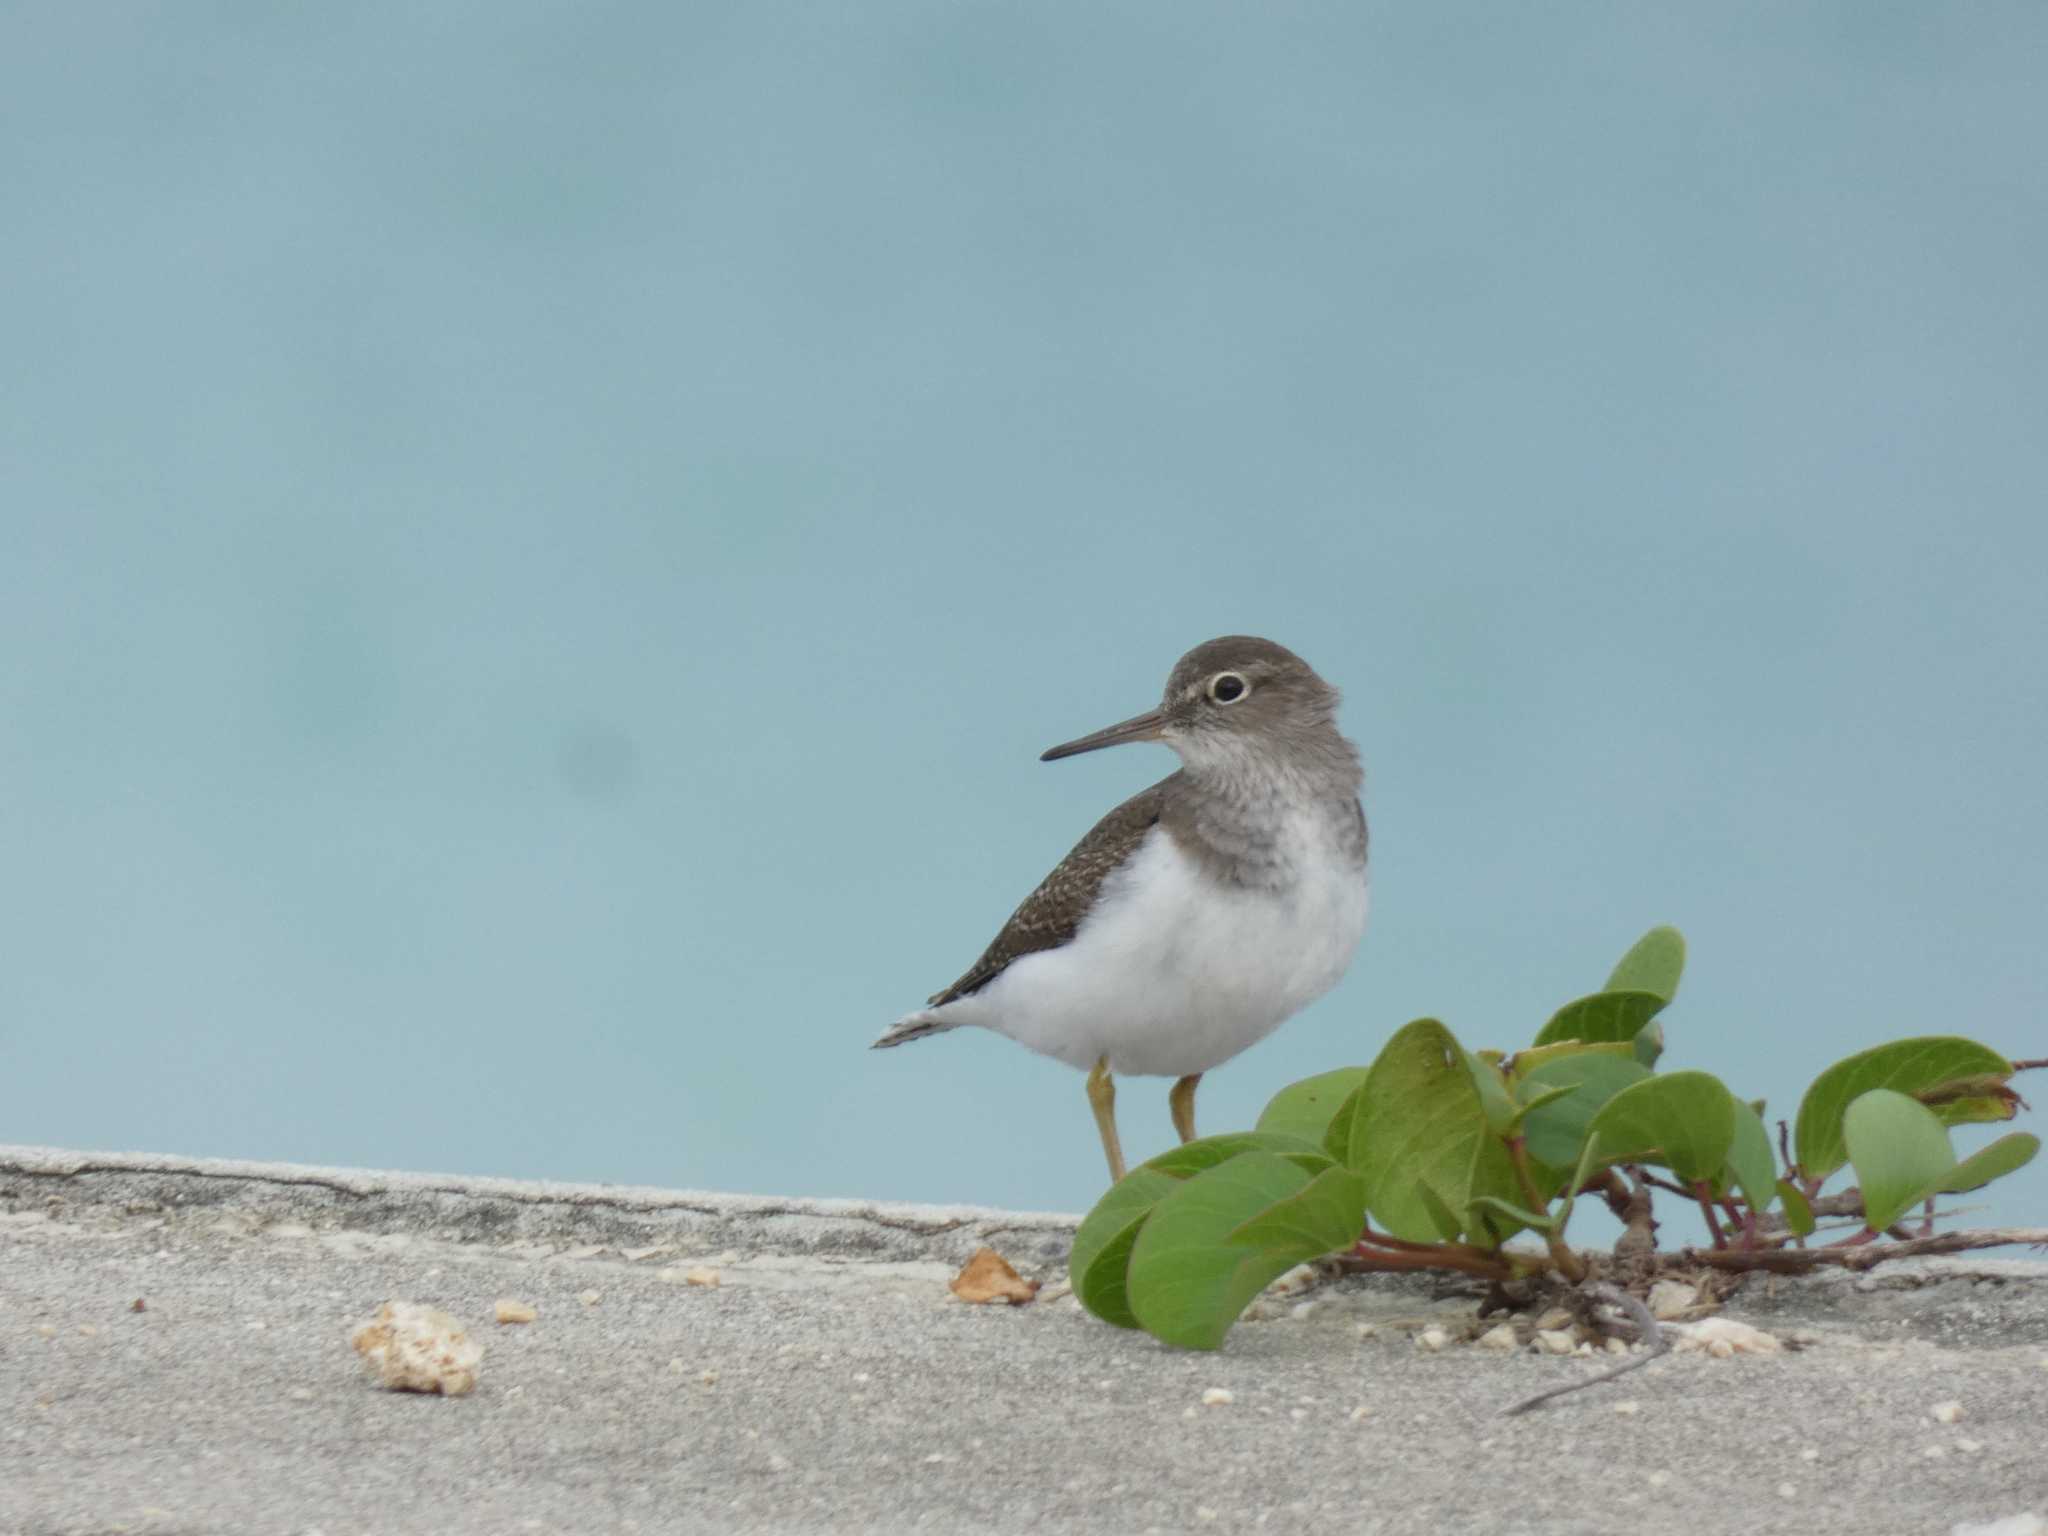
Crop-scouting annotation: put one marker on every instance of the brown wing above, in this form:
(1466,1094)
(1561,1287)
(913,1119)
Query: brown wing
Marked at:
(1049,915)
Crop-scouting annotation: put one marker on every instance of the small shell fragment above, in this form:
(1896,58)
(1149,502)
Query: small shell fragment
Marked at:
(413,1348)
(1722,1337)
(1672,1299)
(510,1311)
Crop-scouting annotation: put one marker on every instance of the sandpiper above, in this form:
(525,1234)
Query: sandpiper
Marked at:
(1200,914)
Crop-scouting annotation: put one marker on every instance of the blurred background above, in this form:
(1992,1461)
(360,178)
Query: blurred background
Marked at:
(539,545)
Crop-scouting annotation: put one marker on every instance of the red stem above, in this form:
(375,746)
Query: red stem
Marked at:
(1705,1196)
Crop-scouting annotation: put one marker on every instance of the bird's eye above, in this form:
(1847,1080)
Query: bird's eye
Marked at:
(1227,687)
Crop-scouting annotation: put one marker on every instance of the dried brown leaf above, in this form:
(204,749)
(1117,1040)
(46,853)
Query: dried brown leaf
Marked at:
(987,1276)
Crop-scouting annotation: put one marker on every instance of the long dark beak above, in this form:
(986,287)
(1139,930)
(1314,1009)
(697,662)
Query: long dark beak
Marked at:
(1145,727)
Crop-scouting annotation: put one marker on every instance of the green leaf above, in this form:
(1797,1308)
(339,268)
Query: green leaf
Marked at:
(1798,1210)
(1337,1139)
(1492,1088)
(1419,1136)
(1902,1155)
(1493,1173)
(1102,1246)
(1653,964)
(1602,1016)
(1649,1043)
(1992,1162)
(1588,1156)
(1445,1220)
(1554,1131)
(1971,1100)
(1306,1108)
(1683,1120)
(1536,1099)
(1900,1152)
(1927,1065)
(1750,1163)
(1525,1062)
(1326,1216)
(1193,1157)
(1518,1214)
(1188,1281)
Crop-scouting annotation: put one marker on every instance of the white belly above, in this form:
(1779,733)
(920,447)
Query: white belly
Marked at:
(1173,973)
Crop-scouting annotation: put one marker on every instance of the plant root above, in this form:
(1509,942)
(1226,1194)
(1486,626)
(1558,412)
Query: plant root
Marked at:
(1653,1339)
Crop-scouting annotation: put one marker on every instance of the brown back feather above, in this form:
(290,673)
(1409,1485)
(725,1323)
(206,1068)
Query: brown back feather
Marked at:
(1049,916)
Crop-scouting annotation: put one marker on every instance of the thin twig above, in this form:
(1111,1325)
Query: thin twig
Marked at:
(1567,1262)
(1367,1257)
(1388,1240)
(1796,1261)
(1666,1185)
(1654,1344)
(1848,1203)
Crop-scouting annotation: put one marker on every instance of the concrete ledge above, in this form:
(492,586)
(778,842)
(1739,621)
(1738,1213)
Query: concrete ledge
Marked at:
(466,1209)
(830,1382)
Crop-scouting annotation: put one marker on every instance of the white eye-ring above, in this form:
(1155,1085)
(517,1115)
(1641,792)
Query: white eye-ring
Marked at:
(1228,687)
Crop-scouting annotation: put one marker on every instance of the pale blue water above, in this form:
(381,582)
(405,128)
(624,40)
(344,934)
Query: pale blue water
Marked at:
(541,544)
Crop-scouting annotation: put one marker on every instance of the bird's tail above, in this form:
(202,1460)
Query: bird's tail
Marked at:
(913,1026)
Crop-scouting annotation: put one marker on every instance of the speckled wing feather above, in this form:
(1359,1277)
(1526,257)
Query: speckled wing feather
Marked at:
(1048,917)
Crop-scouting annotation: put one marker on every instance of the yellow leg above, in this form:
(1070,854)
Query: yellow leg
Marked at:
(1102,1098)
(1181,1099)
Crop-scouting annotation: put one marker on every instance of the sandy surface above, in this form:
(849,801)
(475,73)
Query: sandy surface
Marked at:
(830,1382)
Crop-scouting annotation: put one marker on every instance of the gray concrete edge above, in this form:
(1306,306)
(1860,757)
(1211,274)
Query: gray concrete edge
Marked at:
(465,1207)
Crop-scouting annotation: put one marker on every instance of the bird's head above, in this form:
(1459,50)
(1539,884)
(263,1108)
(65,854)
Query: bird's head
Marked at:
(1229,702)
